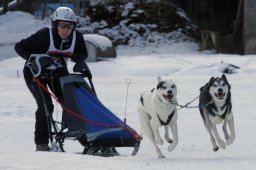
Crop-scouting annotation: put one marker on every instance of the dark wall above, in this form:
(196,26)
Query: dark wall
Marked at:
(216,15)
(249,27)
(26,5)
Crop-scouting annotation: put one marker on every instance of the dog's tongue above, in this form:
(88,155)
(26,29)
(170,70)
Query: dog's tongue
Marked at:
(220,95)
(168,97)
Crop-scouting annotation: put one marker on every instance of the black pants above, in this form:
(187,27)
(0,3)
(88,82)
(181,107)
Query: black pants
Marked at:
(41,126)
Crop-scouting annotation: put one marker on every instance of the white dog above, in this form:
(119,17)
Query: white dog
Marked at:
(158,108)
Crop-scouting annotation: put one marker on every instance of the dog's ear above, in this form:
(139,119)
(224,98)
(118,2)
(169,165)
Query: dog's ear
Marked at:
(159,79)
(226,80)
(211,81)
(224,77)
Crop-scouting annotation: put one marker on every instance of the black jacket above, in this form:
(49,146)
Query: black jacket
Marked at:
(39,42)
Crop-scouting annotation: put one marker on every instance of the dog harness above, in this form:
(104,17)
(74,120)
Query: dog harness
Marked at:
(168,120)
(224,115)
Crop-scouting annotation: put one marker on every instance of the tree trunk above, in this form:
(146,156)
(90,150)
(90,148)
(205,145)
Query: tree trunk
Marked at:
(44,9)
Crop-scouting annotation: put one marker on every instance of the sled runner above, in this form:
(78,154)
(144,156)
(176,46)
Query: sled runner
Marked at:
(84,117)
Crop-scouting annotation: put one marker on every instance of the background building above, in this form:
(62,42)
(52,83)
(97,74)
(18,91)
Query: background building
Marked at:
(226,25)
(231,23)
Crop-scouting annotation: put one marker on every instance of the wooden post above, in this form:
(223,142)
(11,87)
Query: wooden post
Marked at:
(214,39)
(44,9)
(205,37)
(5,6)
(238,21)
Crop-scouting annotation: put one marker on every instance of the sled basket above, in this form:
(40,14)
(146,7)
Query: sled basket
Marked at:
(90,122)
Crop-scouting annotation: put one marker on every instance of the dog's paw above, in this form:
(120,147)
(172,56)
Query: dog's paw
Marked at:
(171,147)
(215,149)
(222,144)
(160,141)
(168,139)
(230,140)
(159,153)
(161,156)
(227,136)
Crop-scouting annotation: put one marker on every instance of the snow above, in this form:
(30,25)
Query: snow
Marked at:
(13,30)
(182,62)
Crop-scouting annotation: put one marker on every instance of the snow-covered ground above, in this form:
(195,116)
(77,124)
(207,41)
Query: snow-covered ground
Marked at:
(181,62)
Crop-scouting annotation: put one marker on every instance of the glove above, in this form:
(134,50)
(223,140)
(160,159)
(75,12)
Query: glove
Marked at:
(77,57)
(82,67)
(38,64)
(87,73)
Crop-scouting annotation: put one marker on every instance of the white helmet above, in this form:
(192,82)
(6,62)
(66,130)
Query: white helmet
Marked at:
(64,14)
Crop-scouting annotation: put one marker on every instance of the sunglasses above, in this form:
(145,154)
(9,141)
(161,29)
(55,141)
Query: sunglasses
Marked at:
(64,25)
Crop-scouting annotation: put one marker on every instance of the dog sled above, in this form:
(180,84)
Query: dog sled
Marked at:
(84,117)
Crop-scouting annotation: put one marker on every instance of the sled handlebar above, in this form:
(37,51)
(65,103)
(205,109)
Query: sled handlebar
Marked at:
(50,76)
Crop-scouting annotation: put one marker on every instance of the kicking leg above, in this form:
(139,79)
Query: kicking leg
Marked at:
(231,125)
(174,130)
(155,129)
(209,130)
(219,140)
(166,135)
(225,130)
(145,126)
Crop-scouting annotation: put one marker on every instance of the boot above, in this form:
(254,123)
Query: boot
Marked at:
(43,148)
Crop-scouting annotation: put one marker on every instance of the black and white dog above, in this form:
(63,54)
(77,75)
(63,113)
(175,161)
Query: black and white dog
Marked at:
(158,108)
(216,108)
